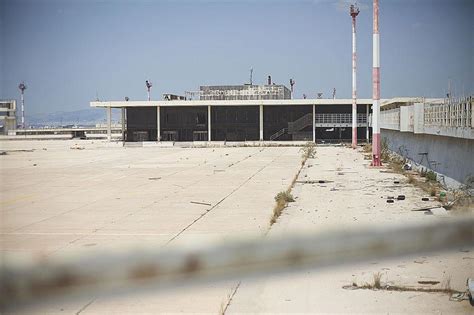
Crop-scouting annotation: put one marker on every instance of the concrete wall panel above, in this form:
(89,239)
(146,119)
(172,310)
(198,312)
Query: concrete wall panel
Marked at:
(452,157)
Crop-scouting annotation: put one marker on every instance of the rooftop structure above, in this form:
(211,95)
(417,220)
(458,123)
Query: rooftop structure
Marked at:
(245,92)
(7,115)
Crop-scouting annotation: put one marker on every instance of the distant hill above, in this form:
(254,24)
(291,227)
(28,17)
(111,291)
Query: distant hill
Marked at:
(89,116)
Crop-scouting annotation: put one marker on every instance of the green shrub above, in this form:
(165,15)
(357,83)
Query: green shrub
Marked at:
(431,176)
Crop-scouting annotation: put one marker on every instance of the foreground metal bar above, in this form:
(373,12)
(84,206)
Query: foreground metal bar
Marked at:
(145,268)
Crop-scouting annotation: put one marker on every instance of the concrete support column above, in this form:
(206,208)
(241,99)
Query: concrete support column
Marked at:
(123,123)
(261,122)
(472,114)
(419,118)
(314,123)
(367,126)
(109,123)
(209,123)
(158,124)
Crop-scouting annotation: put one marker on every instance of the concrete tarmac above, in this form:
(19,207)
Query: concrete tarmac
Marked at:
(77,196)
(355,196)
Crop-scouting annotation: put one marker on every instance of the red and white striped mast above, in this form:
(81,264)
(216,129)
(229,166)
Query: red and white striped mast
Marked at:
(376,144)
(354,11)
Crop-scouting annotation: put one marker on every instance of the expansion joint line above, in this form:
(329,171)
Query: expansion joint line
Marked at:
(233,293)
(222,200)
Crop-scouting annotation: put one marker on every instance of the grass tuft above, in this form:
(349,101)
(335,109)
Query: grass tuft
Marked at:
(284,196)
(308,151)
(282,199)
(377,280)
(384,150)
(431,176)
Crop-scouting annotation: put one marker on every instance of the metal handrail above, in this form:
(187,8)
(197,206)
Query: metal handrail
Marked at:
(335,118)
(300,123)
(278,134)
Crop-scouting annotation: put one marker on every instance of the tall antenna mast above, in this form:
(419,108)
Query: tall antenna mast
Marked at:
(354,11)
(376,141)
(251,76)
(22,87)
(148,87)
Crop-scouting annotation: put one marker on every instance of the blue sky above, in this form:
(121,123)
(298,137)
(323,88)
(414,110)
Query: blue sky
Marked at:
(69,51)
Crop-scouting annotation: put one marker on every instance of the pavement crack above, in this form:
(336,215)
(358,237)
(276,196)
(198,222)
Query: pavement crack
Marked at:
(85,306)
(222,200)
(225,306)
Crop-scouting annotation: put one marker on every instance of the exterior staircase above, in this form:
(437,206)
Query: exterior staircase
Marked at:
(300,123)
(294,126)
(278,134)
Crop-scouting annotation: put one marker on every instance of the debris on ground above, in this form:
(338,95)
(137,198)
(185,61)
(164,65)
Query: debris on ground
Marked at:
(439,211)
(201,203)
(320,181)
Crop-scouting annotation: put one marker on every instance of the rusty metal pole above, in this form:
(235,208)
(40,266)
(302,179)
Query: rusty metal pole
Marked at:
(354,11)
(376,141)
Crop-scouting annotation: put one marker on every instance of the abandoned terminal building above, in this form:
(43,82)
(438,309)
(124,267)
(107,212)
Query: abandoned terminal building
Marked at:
(241,113)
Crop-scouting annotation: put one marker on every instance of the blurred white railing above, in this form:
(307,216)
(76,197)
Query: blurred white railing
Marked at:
(148,268)
(449,118)
(453,113)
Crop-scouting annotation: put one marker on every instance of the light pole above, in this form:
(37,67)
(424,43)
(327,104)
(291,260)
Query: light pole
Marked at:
(22,87)
(148,87)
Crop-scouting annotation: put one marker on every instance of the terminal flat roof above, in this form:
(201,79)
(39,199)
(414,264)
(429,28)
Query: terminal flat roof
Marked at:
(229,102)
(323,101)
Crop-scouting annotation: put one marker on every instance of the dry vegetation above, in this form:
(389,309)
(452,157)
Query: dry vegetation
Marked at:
(452,199)
(284,197)
(377,284)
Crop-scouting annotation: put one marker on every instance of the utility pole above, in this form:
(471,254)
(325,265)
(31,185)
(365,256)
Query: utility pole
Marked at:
(354,11)
(376,141)
(22,87)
